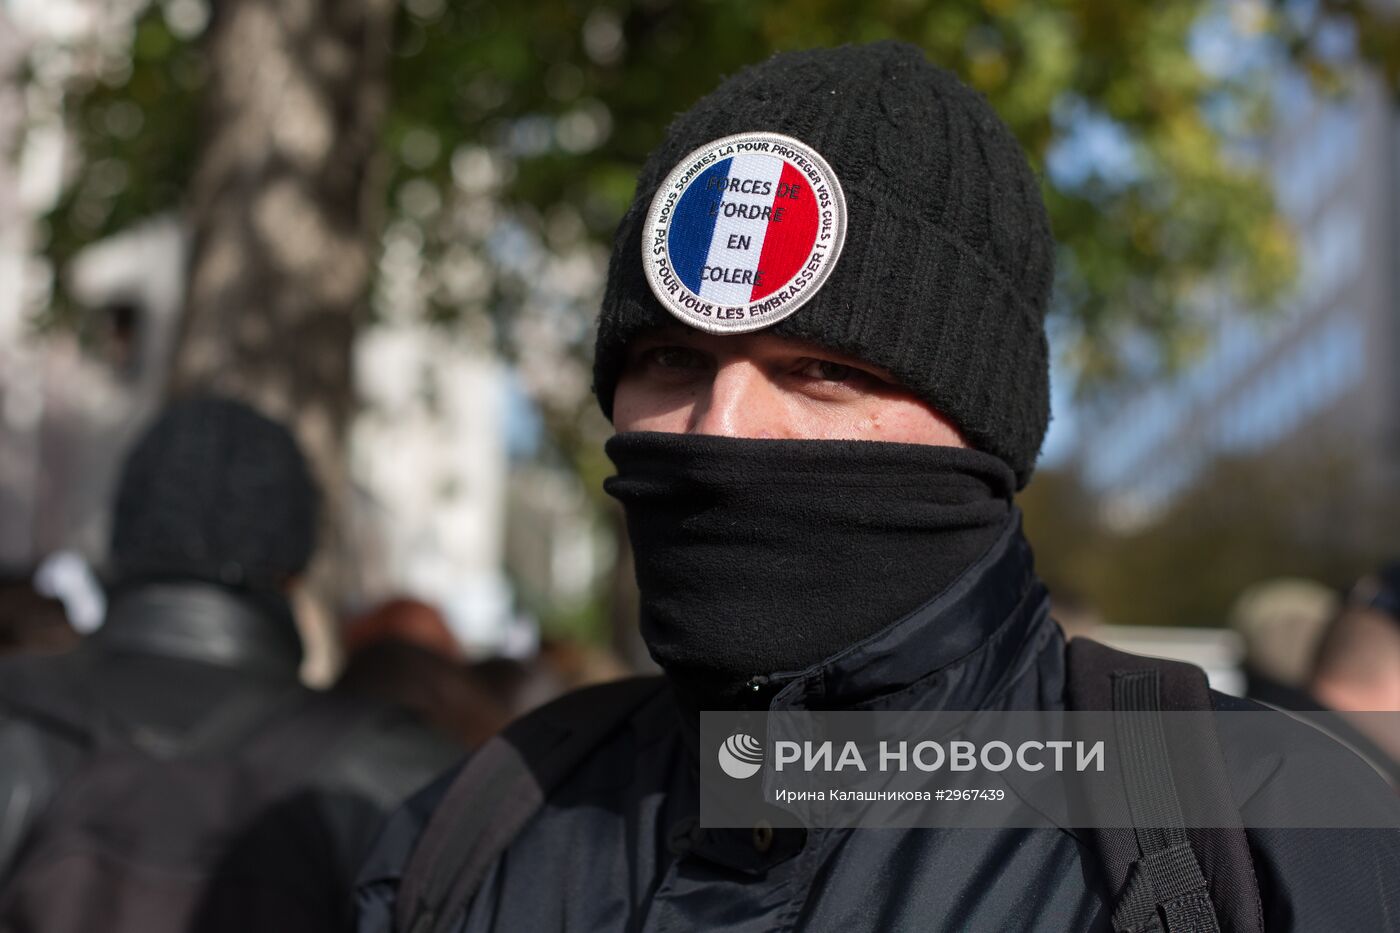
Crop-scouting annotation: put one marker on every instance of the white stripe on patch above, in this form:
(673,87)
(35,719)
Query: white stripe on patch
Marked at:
(725,281)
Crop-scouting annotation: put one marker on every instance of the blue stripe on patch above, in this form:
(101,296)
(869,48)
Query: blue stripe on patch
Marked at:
(694,224)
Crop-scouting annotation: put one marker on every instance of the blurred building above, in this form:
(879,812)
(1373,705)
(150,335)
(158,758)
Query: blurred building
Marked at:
(429,460)
(72,401)
(555,550)
(1323,370)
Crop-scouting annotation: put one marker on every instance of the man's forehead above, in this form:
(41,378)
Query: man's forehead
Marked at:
(763,342)
(758,340)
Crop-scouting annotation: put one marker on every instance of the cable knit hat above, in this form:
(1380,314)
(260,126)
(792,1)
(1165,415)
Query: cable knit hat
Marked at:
(214,491)
(941,275)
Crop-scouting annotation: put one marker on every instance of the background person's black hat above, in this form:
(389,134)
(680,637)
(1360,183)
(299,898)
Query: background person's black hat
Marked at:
(214,491)
(946,270)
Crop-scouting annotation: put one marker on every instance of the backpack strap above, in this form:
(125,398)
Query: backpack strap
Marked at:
(1165,877)
(499,790)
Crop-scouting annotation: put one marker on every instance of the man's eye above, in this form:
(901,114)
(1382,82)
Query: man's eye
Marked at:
(828,371)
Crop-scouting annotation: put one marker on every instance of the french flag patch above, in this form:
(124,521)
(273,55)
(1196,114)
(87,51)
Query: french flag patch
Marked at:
(743,232)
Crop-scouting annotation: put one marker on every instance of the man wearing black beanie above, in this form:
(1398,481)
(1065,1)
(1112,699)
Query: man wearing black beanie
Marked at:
(822,347)
(171,773)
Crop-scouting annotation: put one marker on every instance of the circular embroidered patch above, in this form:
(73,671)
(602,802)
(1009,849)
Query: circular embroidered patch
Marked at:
(743,232)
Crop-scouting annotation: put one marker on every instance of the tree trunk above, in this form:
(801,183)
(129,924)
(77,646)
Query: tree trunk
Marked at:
(284,210)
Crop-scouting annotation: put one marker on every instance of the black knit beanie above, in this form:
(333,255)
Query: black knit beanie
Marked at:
(945,271)
(214,491)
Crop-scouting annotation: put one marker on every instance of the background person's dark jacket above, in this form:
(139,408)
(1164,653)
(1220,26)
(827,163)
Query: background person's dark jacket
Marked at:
(171,656)
(617,850)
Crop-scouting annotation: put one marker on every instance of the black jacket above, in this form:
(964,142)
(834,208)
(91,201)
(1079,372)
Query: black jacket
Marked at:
(617,848)
(168,659)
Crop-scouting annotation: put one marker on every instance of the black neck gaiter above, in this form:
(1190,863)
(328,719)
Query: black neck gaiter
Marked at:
(757,557)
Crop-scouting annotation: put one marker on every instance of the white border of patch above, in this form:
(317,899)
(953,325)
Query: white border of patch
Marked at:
(720,319)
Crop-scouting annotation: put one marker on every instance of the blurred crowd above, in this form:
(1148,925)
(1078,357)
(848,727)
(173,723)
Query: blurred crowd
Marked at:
(400,651)
(1305,648)
(162,706)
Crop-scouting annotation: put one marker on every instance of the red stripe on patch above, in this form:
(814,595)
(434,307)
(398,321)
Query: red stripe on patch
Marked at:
(787,242)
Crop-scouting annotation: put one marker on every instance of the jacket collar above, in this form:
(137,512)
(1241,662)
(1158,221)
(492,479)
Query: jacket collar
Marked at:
(967,649)
(959,651)
(202,622)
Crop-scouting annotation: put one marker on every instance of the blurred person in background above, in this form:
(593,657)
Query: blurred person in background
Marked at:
(560,665)
(1282,622)
(31,621)
(520,683)
(1357,671)
(403,652)
(817,451)
(574,664)
(171,773)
